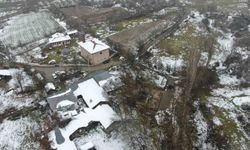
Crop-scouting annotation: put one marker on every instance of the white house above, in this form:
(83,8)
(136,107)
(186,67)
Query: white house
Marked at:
(59,39)
(88,146)
(94,51)
(96,111)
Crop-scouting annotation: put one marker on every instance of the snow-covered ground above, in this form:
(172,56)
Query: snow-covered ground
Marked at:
(10,100)
(225,42)
(167,63)
(19,76)
(202,129)
(102,141)
(18,134)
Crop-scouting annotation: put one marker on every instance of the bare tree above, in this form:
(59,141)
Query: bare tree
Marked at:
(208,44)
(244,42)
(19,79)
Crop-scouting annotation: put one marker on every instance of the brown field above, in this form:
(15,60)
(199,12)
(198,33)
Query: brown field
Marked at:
(94,15)
(128,39)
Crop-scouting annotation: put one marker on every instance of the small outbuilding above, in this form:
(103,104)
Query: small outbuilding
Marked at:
(50,88)
(59,39)
(72,33)
(5,74)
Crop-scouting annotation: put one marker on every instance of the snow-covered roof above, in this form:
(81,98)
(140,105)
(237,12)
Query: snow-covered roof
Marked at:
(59,37)
(91,92)
(87,146)
(93,46)
(50,86)
(56,99)
(71,32)
(61,94)
(103,114)
(39,76)
(64,103)
(5,72)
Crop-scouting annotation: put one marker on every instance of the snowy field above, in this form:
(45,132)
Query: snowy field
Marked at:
(26,28)
(10,99)
(17,134)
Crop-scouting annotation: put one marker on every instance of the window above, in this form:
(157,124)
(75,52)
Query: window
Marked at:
(100,52)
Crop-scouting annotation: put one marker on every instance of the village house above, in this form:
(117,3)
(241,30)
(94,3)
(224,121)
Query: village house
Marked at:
(95,110)
(94,51)
(59,39)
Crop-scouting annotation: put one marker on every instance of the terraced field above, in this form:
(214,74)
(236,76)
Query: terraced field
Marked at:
(26,28)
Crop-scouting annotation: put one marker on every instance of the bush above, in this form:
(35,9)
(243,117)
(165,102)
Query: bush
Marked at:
(64,123)
(205,78)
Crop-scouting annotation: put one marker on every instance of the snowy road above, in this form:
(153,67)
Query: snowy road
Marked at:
(49,69)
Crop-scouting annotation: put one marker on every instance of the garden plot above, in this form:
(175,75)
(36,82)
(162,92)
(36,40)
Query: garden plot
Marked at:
(26,28)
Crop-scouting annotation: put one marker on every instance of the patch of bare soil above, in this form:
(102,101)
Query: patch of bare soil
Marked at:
(2,84)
